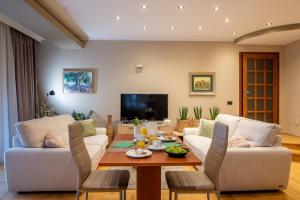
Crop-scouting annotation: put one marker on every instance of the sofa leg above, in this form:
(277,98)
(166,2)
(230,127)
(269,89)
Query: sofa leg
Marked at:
(218,195)
(77,195)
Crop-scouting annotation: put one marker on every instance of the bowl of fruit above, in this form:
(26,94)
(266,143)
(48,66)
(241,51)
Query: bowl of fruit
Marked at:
(176,151)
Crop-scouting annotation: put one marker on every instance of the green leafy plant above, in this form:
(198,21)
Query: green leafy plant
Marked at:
(183,112)
(81,116)
(214,112)
(136,121)
(198,112)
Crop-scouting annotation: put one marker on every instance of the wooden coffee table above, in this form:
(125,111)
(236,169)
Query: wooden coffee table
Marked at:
(148,169)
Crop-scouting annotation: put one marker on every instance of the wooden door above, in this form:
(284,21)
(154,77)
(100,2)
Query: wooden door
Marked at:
(259,86)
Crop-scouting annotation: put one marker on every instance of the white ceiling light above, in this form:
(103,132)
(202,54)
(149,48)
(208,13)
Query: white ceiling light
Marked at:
(269,23)
(216,8)
(172,28)
(118,18)
(200,28)
(233,33)
(181,7)
(144,27)
(144,6)
(227,20)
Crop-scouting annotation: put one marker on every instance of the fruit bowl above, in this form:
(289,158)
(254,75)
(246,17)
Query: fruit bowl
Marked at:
(176,152)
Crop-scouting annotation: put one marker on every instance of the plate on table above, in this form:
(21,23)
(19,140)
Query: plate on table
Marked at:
(167,138)
(138,153)
(153,148)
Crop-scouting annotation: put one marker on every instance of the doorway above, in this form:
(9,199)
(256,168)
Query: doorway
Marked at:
(259,86)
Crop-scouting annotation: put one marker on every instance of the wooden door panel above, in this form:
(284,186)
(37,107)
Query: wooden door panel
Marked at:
(259,82)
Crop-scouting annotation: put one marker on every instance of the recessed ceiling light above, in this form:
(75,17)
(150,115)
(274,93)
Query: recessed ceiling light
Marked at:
(118,18)
(181,7)
(227,20)
(233,33)
(200,28)
(144,27)
(216,8)
(269,23)
(172,28)
(144,6)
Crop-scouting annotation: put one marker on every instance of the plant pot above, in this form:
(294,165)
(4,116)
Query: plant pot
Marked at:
(181,124)
(195,123)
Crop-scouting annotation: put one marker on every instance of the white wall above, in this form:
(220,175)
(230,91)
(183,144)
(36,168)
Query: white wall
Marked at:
(291,89)
(166,68)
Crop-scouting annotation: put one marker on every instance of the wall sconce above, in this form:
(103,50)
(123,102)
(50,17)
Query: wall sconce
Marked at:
(51,93)
(139,68)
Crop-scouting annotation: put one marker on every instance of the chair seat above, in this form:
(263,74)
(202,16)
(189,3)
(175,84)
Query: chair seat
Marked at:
(189,181)
(106,180)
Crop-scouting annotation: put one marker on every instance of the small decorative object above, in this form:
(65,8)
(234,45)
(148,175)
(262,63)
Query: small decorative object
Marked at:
(137,123)
(202,83)
(45,110)
(79,80)
(110,129)
(214,112)
(81,116)
(183,121)
(198,114)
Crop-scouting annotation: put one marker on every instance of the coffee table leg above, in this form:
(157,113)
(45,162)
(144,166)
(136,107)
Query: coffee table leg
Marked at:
(148,183)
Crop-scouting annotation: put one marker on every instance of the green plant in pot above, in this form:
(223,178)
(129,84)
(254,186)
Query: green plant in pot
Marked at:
(214,112)
(137,123)
(198,114)
(183,121)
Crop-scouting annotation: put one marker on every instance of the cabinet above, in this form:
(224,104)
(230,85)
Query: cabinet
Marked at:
(128,128)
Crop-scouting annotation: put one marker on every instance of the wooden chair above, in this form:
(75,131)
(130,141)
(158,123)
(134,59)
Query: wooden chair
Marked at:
(206,181)
(94,181)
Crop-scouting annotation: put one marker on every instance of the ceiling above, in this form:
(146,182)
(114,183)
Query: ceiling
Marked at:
(97,18)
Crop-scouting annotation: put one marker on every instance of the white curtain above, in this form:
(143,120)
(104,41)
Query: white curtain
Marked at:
(8,97)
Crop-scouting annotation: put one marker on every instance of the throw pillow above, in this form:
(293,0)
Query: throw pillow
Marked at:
(53,141)
(89,128)
(207,128)
(238,141)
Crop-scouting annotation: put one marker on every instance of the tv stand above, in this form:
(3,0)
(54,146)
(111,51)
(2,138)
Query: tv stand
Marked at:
(128,128)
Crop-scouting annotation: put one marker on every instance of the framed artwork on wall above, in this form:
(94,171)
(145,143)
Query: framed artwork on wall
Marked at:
(79,80)
(202,83)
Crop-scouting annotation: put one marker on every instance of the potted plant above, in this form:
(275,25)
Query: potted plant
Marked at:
(214,112)
(183,121)
(198,114)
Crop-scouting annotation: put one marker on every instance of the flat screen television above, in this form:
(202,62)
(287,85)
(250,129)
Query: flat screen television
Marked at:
(144,106)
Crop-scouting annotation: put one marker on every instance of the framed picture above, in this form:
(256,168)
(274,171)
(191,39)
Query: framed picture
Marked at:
(202,83)
(79,80)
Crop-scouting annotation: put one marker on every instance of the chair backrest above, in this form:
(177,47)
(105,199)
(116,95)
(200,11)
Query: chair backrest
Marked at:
(79,152)
(216,152)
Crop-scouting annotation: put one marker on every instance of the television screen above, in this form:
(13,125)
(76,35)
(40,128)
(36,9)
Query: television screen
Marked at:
(144,106)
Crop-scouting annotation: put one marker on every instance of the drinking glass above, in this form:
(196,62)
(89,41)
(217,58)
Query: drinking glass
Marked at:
(140,141)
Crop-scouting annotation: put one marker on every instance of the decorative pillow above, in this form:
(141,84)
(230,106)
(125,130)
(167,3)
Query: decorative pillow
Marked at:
(207,128)
(231,121)
(53,141)
(89,128)
(238,141)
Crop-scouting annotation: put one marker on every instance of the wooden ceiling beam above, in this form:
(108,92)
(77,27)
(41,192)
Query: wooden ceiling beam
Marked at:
(55,21)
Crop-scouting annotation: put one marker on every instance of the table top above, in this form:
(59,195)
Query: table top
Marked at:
(117,157)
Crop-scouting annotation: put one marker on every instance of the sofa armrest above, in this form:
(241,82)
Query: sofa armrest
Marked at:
(191,131)
(257,168)
(101,131)
(39,169)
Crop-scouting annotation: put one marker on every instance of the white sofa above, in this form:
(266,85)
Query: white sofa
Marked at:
(47,169)
(266,166)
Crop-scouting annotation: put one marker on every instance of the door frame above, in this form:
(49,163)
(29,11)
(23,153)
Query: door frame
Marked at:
(241,79)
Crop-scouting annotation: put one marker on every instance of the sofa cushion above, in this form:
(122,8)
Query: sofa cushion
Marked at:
(95,152)
(238,141)
(231,121)
(199,144)
(53,141)
(260,133)
(207,128)
(33,132)
(89,128)
(62,122)
(101,140)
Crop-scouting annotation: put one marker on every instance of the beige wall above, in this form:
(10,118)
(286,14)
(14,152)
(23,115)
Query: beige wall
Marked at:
(291,89)
(166,68)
